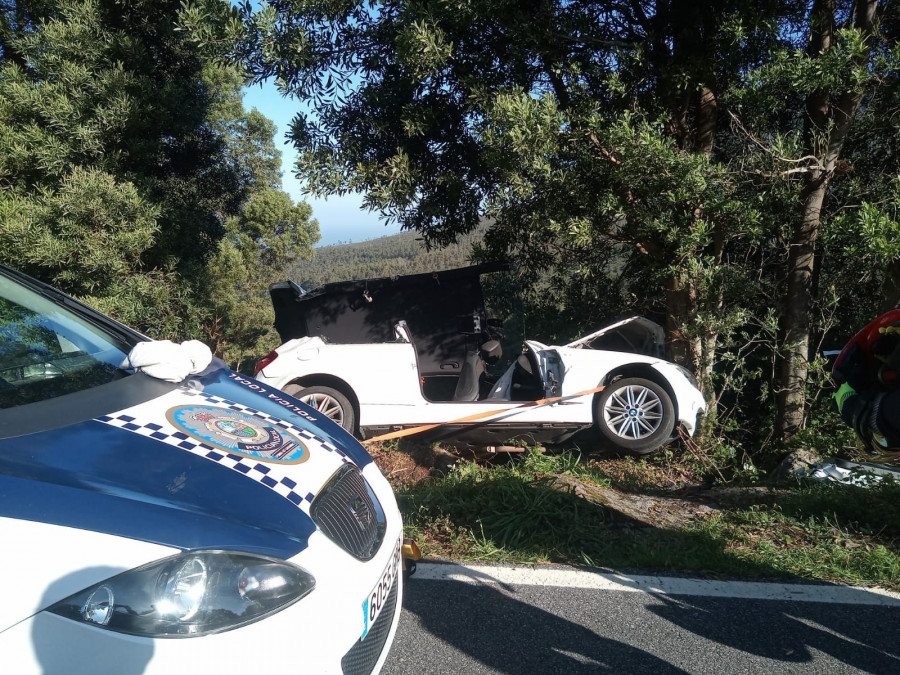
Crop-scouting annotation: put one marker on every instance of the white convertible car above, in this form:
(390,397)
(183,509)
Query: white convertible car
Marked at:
(387,354)
(209,525)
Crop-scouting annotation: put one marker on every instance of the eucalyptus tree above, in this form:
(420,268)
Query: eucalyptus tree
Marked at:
(838,72)
(818,123)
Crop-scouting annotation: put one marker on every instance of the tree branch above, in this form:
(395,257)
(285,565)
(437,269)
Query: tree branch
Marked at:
(814,163)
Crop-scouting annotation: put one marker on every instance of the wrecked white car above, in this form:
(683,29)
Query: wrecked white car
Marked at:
(386,354)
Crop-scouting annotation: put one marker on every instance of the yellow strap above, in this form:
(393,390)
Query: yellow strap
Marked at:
(480,416)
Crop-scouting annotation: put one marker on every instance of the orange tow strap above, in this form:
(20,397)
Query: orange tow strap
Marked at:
(480,416)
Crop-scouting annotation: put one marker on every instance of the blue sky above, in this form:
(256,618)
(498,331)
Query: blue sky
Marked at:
(341,219)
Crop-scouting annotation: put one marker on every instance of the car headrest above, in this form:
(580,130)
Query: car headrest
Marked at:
(491,350)
(524,363)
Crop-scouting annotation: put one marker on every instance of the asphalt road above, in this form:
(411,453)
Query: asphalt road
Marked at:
(518,621)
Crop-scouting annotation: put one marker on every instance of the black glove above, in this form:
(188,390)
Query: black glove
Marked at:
(852,369)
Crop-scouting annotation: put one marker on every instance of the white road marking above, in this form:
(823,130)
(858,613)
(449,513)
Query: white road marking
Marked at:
(567,577)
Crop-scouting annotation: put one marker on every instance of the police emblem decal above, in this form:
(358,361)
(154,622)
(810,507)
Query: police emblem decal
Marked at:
(238,433)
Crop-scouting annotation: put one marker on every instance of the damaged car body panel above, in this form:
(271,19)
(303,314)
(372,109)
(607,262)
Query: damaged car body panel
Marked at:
(635,335)
(399,352)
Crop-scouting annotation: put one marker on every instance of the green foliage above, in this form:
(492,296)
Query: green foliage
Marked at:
(644,214)
(79,134)
(631,159)
(249,136)
(268,234)
(84,235)
(505,513)
(517,513)
(132,177)
(824,531)
(872,231)
(278,226)
(510,510)
(159,299)
(863,511)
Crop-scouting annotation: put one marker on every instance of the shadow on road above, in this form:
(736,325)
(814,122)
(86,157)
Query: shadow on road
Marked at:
(513,637)
(454,626)
(864,637)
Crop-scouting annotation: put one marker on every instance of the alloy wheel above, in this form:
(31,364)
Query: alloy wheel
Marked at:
(326,405)
(633,412)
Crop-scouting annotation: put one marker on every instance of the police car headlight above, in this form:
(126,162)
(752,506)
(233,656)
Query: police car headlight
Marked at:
(189,595)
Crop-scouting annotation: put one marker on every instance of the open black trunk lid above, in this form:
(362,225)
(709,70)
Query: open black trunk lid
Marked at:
(443,310)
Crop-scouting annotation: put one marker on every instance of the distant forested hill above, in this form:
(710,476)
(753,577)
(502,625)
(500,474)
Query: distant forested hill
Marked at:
(402,253)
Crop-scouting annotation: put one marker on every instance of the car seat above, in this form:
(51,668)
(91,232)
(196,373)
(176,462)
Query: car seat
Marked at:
(468,385)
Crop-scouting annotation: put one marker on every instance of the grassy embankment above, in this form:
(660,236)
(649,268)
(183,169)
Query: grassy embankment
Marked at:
(543,508)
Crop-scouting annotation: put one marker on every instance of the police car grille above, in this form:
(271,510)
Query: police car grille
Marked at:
(349,514)
(363,656)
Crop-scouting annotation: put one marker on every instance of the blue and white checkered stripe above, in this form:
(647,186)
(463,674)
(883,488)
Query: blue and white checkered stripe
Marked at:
(258,471)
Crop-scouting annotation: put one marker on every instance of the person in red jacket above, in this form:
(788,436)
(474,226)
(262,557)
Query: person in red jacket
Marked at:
(868,372)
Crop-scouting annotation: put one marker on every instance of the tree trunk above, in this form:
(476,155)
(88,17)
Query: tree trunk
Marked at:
(827,125)
(693,117)
(796,318)
(707,117)
(710,340)
(680,306)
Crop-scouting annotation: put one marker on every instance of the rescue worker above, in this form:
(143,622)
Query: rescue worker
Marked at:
(868,398)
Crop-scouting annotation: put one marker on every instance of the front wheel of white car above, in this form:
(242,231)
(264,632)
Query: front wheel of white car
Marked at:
(635,414)
(330,402)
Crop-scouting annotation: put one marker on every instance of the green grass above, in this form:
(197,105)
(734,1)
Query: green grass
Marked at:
(511,513)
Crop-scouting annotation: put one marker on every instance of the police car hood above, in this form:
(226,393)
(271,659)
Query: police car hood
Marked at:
(221,463)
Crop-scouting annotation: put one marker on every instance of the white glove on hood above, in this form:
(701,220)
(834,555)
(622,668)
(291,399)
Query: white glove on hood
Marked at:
(165,360)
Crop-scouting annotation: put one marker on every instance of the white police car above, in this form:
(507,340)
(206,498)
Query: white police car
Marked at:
(212,525)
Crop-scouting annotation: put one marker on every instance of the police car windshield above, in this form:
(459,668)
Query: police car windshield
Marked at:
(47,350)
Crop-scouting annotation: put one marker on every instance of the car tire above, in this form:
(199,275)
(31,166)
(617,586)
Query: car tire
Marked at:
(328,401)
(635,414)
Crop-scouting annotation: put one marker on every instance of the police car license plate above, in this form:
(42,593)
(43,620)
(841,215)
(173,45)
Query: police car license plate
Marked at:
(376,600)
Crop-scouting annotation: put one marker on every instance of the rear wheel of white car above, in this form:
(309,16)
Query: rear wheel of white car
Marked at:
(330,402)
(635,414)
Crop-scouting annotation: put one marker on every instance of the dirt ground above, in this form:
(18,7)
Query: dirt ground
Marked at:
(675,499)
(408,463)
